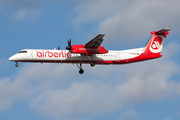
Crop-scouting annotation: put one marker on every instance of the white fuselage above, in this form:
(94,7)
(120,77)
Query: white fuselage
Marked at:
(63,56)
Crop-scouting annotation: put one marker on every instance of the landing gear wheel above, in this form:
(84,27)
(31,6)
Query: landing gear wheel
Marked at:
(81,71)
(92,64)
(16,64)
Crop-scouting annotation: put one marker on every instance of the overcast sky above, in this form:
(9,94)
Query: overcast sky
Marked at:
(148,90)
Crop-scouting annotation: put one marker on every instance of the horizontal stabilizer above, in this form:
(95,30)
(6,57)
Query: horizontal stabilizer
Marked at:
(163,31)
(160,32)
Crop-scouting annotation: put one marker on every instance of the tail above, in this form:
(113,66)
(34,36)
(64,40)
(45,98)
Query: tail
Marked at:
(155,43)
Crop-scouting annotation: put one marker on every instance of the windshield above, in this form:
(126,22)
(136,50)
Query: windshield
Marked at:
(22,52)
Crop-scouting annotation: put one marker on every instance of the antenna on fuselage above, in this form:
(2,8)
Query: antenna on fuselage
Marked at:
(58,47)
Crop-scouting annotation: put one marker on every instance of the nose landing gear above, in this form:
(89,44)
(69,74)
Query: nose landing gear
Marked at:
(16,64)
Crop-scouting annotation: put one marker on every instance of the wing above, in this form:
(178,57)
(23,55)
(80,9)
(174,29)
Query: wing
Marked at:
(96,42)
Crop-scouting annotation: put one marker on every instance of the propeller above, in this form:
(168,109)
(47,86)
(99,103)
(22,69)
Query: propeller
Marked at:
(69,45)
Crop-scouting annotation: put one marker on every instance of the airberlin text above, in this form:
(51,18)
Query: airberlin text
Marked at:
(47,53)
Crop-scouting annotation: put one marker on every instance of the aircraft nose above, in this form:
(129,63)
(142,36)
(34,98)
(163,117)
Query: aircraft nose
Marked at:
(12,58)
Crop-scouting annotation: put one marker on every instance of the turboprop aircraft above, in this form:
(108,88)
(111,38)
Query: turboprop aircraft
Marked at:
(93,53)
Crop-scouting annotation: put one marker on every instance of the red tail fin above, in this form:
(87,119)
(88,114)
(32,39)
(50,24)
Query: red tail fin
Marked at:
(155,44)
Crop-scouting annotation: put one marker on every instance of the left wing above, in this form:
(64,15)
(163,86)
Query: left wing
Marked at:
(96,42)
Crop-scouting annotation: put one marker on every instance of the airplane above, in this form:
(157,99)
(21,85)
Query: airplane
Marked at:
(93,53)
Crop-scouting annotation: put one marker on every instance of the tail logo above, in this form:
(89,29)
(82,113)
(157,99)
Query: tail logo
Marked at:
(156,44)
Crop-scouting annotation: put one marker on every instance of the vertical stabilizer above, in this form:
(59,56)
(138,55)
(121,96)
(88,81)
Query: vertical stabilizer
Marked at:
(155,43)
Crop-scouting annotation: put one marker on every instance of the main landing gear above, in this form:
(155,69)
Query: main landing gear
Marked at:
(91,59)
(92,64)
(81,71)
(16,64)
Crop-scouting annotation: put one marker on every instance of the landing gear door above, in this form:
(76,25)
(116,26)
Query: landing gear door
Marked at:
(118,57)
(34,56)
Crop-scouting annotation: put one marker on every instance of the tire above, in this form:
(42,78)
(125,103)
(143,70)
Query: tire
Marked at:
(17,65)
(81,71)
(92,64)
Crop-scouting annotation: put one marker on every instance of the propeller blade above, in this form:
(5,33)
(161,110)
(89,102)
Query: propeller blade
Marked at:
(69,45)
(69,42)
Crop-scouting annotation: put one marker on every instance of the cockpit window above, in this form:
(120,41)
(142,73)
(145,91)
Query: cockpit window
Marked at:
(22,52)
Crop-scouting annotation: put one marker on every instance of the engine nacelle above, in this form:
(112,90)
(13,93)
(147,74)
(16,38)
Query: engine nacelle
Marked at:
(88,51)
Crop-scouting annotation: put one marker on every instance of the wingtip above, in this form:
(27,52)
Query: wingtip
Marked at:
(102,33)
